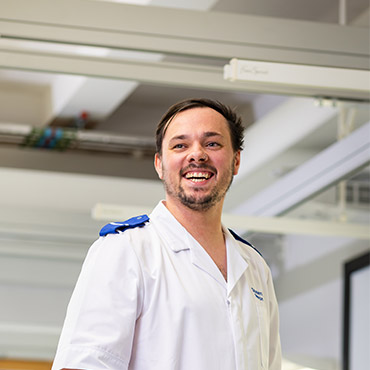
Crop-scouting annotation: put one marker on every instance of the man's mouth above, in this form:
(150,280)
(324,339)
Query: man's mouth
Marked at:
(198,176)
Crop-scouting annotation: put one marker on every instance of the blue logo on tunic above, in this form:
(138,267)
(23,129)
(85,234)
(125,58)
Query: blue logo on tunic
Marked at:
(257,294)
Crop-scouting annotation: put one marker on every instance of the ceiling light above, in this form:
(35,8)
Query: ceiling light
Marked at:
(315,80)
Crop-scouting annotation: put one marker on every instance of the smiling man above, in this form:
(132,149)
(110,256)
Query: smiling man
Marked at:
(196,160)
(177,290)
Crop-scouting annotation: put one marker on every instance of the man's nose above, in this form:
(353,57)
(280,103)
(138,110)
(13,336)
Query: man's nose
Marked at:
(197,154)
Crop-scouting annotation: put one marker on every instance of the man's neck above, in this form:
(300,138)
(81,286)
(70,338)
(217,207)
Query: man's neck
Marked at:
(204,226)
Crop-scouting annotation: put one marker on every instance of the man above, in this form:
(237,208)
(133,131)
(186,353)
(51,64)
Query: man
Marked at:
(177,290)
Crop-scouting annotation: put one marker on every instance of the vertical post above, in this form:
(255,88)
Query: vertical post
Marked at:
(345,126)
(342,12)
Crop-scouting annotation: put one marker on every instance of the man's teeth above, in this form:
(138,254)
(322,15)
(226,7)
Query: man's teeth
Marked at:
(197,180)
(198,176)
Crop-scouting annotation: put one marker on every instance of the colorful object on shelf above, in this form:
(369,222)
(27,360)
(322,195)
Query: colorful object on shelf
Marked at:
(50,138)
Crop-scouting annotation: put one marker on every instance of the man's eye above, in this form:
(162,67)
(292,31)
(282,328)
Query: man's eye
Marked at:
(178,146)
(213,144)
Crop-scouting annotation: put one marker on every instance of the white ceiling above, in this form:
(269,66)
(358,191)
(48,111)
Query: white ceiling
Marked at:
(116,106)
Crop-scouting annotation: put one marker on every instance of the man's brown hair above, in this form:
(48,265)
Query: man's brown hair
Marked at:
(234,121)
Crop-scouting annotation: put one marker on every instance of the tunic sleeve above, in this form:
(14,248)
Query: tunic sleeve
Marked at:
(100,322)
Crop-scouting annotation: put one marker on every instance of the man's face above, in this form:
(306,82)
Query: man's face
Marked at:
(198,163)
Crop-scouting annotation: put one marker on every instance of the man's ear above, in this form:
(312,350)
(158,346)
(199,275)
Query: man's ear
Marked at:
(158,165)
(236,162)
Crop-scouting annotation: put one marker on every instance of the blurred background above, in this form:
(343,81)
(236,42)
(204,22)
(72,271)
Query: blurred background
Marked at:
(83,84)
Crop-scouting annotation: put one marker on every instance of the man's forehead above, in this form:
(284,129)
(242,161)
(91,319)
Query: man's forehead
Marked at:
(198,111)
(200,115)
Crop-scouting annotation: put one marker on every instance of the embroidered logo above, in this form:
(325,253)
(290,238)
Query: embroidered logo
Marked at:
(257,294)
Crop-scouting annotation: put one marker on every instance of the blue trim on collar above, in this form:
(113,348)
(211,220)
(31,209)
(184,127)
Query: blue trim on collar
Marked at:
(237,237)
(115,227)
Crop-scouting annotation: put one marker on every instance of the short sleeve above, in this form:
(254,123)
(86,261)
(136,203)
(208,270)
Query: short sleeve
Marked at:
(100,322)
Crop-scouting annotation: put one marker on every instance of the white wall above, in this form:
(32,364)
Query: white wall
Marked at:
(45,231)
(310,289)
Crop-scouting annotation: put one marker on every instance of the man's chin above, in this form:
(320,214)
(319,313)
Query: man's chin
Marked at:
(198,203)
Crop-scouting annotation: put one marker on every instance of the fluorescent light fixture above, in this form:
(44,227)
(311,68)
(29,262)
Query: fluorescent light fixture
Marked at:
(321,81)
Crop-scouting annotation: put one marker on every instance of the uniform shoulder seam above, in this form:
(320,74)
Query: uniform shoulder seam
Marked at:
(239,238)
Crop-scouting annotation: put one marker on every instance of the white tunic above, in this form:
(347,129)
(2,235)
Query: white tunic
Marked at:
(151,298)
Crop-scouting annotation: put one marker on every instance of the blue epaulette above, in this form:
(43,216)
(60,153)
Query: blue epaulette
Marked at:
(115,227)
(237,237)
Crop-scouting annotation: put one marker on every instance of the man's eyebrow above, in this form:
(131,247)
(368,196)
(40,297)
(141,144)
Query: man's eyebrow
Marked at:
(206,135)
(179,137)
(211,134)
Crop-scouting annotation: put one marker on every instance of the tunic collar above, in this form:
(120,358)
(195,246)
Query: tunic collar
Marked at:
(175,234)
(179,239)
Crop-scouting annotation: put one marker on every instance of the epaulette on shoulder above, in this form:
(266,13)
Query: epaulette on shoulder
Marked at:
(237,237)
(116,227)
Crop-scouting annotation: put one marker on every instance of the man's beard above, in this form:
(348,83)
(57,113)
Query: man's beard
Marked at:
(199,203)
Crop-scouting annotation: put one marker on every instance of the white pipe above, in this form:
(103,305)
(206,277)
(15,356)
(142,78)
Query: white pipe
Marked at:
(80,139)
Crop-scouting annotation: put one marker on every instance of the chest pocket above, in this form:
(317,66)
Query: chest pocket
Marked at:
(263,322)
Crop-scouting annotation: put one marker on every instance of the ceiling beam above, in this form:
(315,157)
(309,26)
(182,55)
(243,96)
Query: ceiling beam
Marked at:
(165,30)
(160,73)
(283,118)
(327,168)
